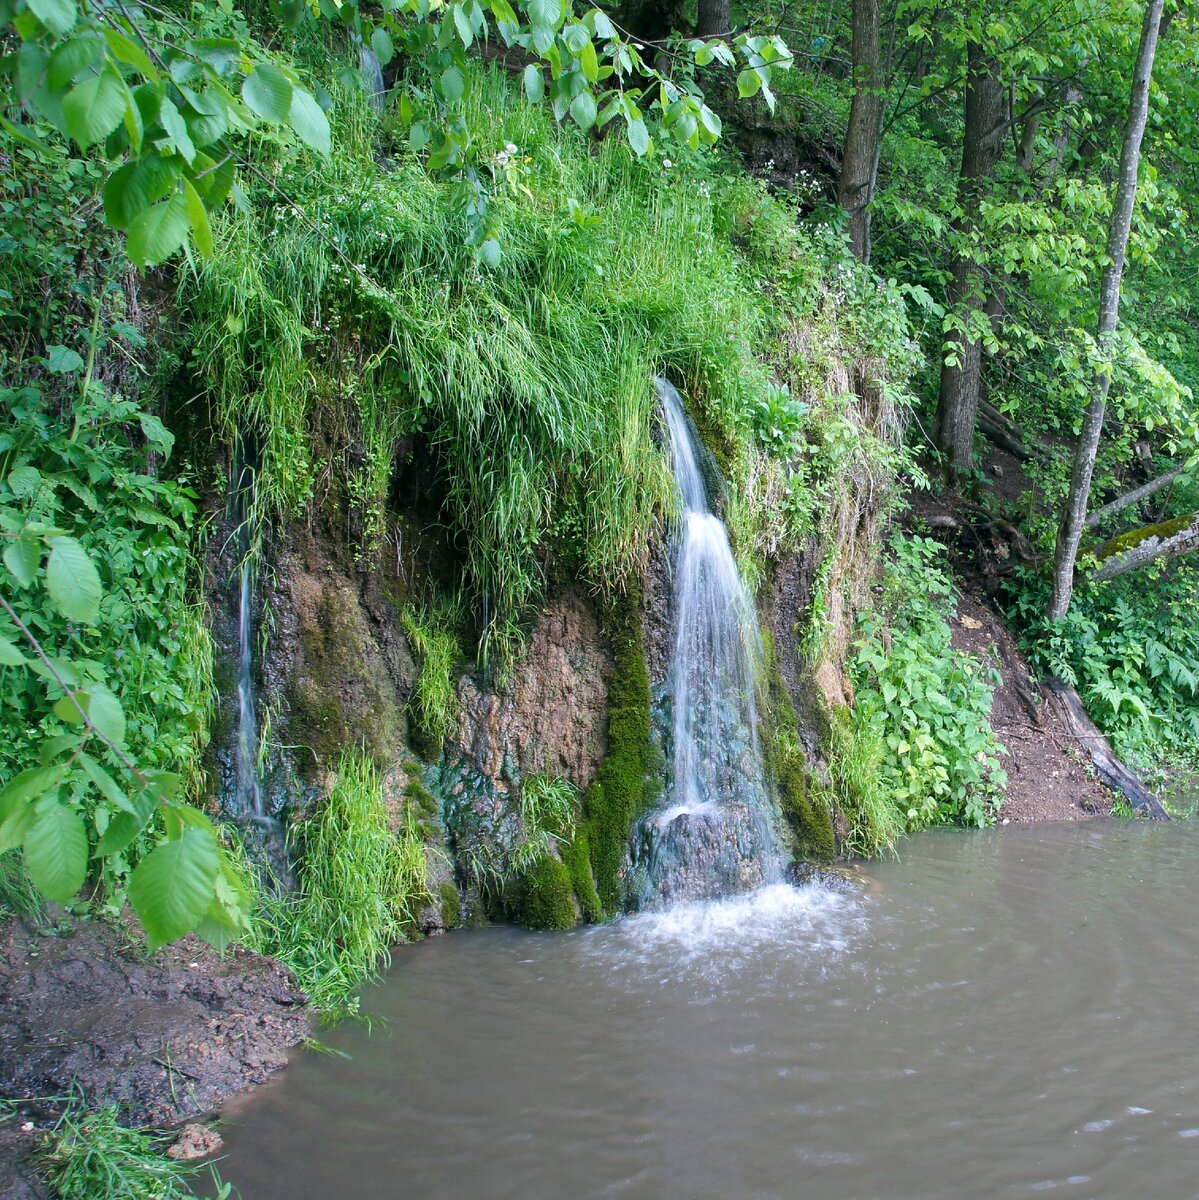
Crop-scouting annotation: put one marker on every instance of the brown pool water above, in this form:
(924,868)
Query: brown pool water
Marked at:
(1000,1014)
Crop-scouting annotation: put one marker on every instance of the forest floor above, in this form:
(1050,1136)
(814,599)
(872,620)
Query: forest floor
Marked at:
(170,1039)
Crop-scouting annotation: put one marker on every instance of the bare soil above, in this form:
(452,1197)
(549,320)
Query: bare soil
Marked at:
(168,1039)
(1046,777)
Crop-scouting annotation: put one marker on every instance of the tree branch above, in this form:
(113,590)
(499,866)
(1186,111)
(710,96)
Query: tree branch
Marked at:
(1134,497)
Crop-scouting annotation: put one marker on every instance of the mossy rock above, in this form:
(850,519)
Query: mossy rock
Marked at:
(544,897)
(451,905)
(620,793)
(576,857)
(804,808)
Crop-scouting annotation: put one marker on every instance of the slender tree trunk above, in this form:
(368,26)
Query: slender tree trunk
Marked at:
(1074,515)
(961,372)
(712,18)
(859,164)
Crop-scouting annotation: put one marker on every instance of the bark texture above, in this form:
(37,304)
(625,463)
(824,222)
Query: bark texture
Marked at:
(982,145)
(863,137)
(1074,515)
(712,18)
(1143,546)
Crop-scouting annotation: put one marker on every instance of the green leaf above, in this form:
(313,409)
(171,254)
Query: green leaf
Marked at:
(28,785)
(583,109)
(156,233)
(23,557)
(134,187)
(105,713)
(61,361)
(10,656)
(268,92)
(639,137)
(24,481)
(491,253)
(172,887)
(382,45)
(55,850)
(58,16)
(309,122)
(126,825)
(95,107)
(156,433)
(108,787)
(176,129)
(201,235)
(71,708)
(534,82)
(749,82)
(72,581)
(545,13)
(70,59)
(126,50)
(453,84)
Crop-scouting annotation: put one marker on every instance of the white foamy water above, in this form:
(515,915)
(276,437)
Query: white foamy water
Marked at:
(717,940)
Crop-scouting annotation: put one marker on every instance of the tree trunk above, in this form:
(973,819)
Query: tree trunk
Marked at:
(1074,515)
(1168,539)
(961,372)
(712,19)
(1110,769)
(863,137)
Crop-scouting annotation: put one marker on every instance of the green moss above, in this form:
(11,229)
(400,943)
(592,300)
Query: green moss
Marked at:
(1129,541)
(805,809)
(451,905)
(576,856)
(619,795)
(544,897)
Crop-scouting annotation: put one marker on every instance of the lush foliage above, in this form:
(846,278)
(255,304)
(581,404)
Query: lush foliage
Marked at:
(176,98)
(1132,652)
(926,703)
(361,884)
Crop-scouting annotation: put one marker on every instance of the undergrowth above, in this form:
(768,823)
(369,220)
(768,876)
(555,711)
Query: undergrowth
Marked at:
(921,727)
(90,1155)
(1131,648)
(360,887)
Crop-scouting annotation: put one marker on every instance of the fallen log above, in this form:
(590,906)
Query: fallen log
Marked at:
(1134,497)
(1168,539)
(1001,438)
(1068,705)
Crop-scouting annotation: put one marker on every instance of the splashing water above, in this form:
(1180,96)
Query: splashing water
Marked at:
(716,836)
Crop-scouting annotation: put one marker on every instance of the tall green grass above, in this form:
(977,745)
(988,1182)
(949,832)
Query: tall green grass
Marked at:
(356,333)
(360,888)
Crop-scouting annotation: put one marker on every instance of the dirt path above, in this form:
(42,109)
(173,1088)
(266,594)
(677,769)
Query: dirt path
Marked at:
(168,1039)
(1046,780)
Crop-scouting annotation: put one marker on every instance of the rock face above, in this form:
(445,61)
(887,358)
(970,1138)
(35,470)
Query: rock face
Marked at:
(551,718)
(340,660)
(166,1039)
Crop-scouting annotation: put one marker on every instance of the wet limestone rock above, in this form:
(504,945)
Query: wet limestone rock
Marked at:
(340,662)
(551,718)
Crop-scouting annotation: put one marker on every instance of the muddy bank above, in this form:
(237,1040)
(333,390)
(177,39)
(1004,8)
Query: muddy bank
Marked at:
(168,1040)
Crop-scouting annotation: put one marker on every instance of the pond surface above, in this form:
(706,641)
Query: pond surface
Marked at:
(999,1014)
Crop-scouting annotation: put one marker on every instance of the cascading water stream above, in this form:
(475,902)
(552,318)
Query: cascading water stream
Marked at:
(247,800)
(716,835)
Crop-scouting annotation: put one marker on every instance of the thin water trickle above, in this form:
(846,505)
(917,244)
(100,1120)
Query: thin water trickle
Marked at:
(715,835)
(249,791)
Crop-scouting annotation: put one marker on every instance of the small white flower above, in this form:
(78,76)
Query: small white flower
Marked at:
(511,147)
(501,159)
(667,163)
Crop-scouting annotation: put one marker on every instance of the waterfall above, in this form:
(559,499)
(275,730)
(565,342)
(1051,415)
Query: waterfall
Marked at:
(715,836)
(247,800)
(372,75)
